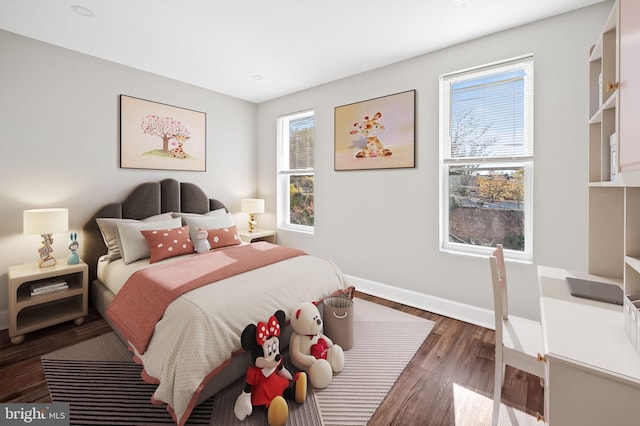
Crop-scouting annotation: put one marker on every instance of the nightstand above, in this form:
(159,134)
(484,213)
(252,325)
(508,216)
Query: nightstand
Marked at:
(259,235)
(29,313)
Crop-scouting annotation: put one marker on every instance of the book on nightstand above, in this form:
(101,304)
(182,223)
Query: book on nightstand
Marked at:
(48,287)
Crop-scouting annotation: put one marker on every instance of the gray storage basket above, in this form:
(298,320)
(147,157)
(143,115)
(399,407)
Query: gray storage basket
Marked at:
(338,321)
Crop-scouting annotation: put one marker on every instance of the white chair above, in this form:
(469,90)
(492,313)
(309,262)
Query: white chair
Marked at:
(518,340)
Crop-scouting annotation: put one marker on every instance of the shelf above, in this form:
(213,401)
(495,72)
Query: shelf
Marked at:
(605,184)
(606,231)
(24,297)
(633,263)
(608,210)
(632,222)
(610,26)
(33,272)
(611,100)
(39,316)
(26,301)
(610,103)
(632,276)
(596,51)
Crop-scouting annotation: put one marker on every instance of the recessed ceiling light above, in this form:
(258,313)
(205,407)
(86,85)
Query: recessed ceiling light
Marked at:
(82,11)
(257,76)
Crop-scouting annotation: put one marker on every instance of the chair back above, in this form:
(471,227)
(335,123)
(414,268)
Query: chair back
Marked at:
(499,279)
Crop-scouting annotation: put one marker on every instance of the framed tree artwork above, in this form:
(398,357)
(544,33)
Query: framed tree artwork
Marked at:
(376,134)
(159,136)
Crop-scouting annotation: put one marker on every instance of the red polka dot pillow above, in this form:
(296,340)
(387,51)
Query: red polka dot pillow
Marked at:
(223,237)
(165,243)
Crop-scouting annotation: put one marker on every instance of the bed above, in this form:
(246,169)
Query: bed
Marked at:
(182,313)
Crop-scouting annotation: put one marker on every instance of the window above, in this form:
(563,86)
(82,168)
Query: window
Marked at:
(296,133)
(486,160)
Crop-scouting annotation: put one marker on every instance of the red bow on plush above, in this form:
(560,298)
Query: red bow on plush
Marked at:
(266,331)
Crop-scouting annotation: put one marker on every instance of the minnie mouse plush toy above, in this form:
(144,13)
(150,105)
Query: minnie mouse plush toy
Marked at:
(268,382)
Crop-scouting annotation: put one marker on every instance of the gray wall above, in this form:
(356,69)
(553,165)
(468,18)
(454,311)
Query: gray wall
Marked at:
(59,115)
(381,227)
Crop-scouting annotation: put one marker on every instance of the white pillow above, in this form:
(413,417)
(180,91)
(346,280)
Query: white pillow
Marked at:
(109,232)
(208,222)
(133,245)
(217,212)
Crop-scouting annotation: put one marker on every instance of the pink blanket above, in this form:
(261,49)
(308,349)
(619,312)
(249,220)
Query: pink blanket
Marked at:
(141,302)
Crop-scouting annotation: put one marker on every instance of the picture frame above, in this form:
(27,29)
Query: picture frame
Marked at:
(378,133)
(158,136)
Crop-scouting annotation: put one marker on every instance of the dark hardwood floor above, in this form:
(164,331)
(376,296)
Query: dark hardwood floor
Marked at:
(450,379)
(448,382)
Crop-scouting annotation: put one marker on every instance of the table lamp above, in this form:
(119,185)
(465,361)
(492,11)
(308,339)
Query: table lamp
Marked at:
(45,222)
(252,206)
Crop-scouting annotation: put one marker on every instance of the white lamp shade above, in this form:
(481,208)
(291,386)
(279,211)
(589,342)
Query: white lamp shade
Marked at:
(252,205)
(45,221)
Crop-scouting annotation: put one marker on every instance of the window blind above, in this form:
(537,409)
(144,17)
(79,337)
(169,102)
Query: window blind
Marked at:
(301,136)
(488,113)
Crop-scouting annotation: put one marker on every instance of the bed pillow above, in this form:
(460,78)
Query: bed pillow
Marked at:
(217,212)
(165,243)
(133,245)
(223,237)
(208,222)
(108,229)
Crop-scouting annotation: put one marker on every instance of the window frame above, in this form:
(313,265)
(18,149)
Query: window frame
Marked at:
(284,173)
(526,160)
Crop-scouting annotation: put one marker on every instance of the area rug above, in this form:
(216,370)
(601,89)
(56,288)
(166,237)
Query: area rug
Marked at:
(103,385)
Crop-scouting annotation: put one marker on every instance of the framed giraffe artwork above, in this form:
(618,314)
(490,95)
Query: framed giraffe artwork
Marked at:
(376,134)
(154,135)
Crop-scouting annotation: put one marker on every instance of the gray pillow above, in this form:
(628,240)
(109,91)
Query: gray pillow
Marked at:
(109,232)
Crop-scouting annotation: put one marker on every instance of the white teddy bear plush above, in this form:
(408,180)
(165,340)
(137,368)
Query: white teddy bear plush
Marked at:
(202,243)
(310,350)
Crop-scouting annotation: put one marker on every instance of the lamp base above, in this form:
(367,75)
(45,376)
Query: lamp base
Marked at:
(48,261)
(45,251)
(253,225)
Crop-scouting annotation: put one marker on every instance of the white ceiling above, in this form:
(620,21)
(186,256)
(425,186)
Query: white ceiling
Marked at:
(293,44)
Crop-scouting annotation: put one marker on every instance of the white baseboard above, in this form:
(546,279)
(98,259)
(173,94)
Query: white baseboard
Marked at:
(437,305)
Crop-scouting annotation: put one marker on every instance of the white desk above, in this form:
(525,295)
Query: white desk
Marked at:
(593,371)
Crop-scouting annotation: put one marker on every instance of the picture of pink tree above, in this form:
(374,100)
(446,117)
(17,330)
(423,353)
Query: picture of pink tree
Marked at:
(161,136)
(165,128)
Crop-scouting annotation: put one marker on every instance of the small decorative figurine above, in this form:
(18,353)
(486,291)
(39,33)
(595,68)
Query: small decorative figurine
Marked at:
(45,251)
(73,258)
(310,349)
(202,243)
(268,382)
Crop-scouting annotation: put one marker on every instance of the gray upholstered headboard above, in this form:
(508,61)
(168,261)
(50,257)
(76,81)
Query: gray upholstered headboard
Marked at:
(147,199)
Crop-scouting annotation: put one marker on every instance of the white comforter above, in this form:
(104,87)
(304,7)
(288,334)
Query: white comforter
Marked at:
(201,329)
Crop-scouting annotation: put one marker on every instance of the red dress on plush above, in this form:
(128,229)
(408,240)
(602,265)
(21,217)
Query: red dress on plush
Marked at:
(264,388)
